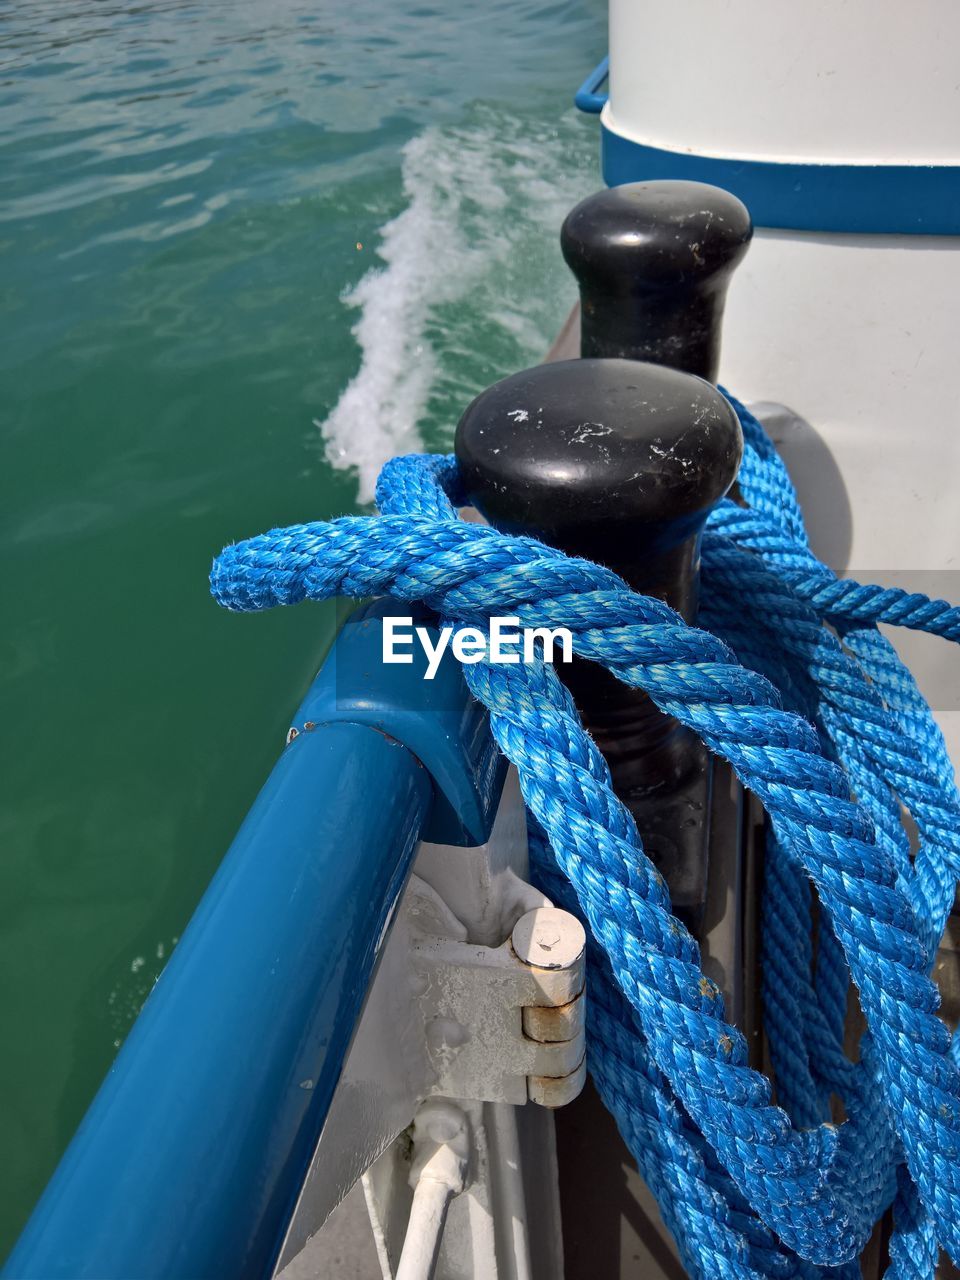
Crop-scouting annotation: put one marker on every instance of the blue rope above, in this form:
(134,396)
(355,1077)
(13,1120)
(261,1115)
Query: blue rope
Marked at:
(808,717)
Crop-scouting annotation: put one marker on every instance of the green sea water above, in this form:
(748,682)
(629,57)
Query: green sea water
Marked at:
(247,251)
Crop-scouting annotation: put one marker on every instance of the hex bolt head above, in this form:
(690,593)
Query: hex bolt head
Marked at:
(549,938)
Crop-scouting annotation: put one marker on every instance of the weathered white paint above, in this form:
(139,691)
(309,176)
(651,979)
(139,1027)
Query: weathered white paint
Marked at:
(441,1153)
(446,1018)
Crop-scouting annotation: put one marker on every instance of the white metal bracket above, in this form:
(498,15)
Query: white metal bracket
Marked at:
(477,1000)
(505,1024)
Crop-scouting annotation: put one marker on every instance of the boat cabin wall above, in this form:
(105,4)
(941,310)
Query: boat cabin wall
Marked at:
(837,127)
(865,82)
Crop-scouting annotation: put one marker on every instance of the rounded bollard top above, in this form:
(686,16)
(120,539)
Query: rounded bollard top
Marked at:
(676,233)
(611,459)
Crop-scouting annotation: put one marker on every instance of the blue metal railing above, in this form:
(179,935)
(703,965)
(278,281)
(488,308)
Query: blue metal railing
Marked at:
(587,97)
(191,1157)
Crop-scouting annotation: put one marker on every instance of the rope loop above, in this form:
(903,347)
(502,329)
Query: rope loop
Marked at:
(810,716)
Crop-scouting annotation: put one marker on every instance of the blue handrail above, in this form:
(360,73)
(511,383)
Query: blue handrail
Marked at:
(191,1157)
(587,98)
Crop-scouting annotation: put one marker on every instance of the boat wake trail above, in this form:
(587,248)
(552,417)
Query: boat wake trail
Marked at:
(472,287)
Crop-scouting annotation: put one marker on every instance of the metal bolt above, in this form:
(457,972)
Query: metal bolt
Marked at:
(548,938)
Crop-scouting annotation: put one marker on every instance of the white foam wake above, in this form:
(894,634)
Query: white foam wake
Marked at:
(472,287)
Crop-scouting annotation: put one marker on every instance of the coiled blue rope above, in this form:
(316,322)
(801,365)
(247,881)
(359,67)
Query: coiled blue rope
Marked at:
(747,1187)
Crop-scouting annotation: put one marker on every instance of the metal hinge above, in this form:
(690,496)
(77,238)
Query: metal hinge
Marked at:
(502,1024)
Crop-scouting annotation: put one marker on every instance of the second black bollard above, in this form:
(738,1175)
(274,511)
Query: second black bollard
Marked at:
(653,261)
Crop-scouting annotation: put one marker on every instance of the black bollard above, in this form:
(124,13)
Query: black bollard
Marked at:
(620,462)
(653,261)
